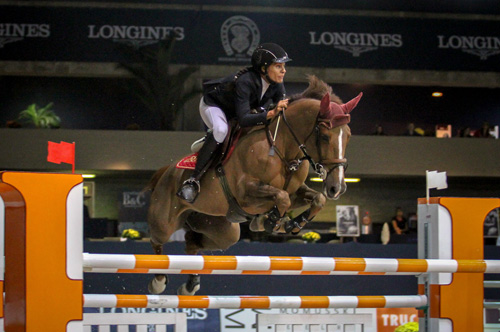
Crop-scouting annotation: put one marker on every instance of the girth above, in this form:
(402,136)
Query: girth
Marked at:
(234,213)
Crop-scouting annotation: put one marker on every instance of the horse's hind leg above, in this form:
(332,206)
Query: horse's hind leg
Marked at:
(158,284)
(164,218)
(206,233)
(193,284)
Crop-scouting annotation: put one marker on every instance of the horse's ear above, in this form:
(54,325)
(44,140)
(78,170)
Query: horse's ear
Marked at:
(351,104)
(324,107)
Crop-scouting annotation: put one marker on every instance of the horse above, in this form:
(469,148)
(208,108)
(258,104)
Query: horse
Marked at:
(262,180)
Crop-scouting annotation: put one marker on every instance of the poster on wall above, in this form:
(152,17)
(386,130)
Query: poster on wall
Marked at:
(133,210)
(347,220)
(491,224)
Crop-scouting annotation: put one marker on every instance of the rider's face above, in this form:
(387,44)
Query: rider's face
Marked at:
(276,72)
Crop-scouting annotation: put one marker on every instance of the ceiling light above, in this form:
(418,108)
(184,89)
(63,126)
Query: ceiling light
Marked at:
(437,94)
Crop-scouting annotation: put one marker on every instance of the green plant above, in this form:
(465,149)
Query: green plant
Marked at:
(163,92)
(311,237)
(43,117)
(408,327)
(130,234)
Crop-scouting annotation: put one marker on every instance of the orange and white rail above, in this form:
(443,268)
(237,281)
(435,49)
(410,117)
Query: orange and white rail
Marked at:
(269,265)
(251,302)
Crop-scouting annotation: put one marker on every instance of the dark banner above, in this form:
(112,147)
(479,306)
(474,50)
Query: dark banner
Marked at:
(223,37)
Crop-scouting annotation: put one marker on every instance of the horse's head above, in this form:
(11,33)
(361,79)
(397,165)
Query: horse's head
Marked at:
(333,134)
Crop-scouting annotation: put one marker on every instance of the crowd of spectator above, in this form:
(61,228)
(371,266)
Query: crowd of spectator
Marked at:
(486,131)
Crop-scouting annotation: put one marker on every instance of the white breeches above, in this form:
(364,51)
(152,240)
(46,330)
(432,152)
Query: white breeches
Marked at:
(215,119)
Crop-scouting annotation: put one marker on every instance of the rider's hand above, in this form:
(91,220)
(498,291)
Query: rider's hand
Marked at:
(271,114)
(282,105)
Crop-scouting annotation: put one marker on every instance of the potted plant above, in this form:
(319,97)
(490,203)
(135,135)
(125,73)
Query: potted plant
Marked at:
(43,117)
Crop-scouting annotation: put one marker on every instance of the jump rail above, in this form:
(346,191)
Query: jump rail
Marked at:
(251,302)
(267,265)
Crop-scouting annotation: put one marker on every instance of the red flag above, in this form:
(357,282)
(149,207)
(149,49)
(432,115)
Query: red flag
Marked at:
(62,153)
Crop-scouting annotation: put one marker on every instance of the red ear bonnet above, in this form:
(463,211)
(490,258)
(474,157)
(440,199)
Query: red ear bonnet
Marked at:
(335,115)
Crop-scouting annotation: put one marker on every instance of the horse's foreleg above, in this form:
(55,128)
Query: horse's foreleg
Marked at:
(259,194)
(160,281)
(307,196)
(302,197)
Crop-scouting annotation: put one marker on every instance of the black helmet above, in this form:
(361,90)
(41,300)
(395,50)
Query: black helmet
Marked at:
(266,54)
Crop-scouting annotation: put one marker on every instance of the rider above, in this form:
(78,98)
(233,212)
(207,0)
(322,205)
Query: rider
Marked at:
(252,96)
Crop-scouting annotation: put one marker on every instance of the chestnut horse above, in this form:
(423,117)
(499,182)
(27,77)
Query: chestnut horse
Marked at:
(262,180)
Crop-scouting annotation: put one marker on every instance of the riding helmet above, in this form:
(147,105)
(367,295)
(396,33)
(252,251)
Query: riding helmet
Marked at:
(266,54)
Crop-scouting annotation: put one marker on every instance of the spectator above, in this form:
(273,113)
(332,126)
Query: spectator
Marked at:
(410,130)
(465,132)
(412,222)
(379,131)
(399,224)
(484,131)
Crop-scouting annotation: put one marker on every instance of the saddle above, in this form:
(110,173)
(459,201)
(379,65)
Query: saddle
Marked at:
(224,153)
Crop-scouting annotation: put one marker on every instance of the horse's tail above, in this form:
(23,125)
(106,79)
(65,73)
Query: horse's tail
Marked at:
(155,178)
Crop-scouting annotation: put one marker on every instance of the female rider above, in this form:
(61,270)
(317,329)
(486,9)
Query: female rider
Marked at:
(252,96)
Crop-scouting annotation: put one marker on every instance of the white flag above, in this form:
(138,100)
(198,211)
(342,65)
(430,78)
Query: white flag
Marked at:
(436,180)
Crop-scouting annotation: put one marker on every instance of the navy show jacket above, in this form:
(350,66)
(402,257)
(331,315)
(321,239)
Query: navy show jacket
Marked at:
(239,97)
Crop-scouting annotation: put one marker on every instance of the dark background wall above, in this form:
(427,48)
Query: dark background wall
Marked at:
(110,103)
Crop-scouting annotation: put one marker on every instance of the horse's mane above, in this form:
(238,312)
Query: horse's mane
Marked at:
(316,90)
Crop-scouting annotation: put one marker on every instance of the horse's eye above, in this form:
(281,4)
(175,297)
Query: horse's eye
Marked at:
(325,138)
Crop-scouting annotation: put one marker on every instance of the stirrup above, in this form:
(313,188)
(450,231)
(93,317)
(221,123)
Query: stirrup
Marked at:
(192,182)
(189,190)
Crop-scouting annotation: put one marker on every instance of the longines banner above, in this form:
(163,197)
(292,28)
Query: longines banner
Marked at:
(219,37)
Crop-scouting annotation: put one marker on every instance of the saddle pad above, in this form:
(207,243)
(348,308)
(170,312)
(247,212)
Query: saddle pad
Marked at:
(188,162)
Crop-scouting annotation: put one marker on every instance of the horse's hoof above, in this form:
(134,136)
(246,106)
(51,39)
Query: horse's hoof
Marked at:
(184,291)
(157,287)
(257,224)
(269,226)
(191,286)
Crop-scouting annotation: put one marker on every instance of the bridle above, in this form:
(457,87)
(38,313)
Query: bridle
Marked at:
(318,167)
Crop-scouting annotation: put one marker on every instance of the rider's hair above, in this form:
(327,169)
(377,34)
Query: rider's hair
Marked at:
(241,72)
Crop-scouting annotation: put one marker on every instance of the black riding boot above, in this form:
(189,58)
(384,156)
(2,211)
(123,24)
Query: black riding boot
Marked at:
(191,187)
